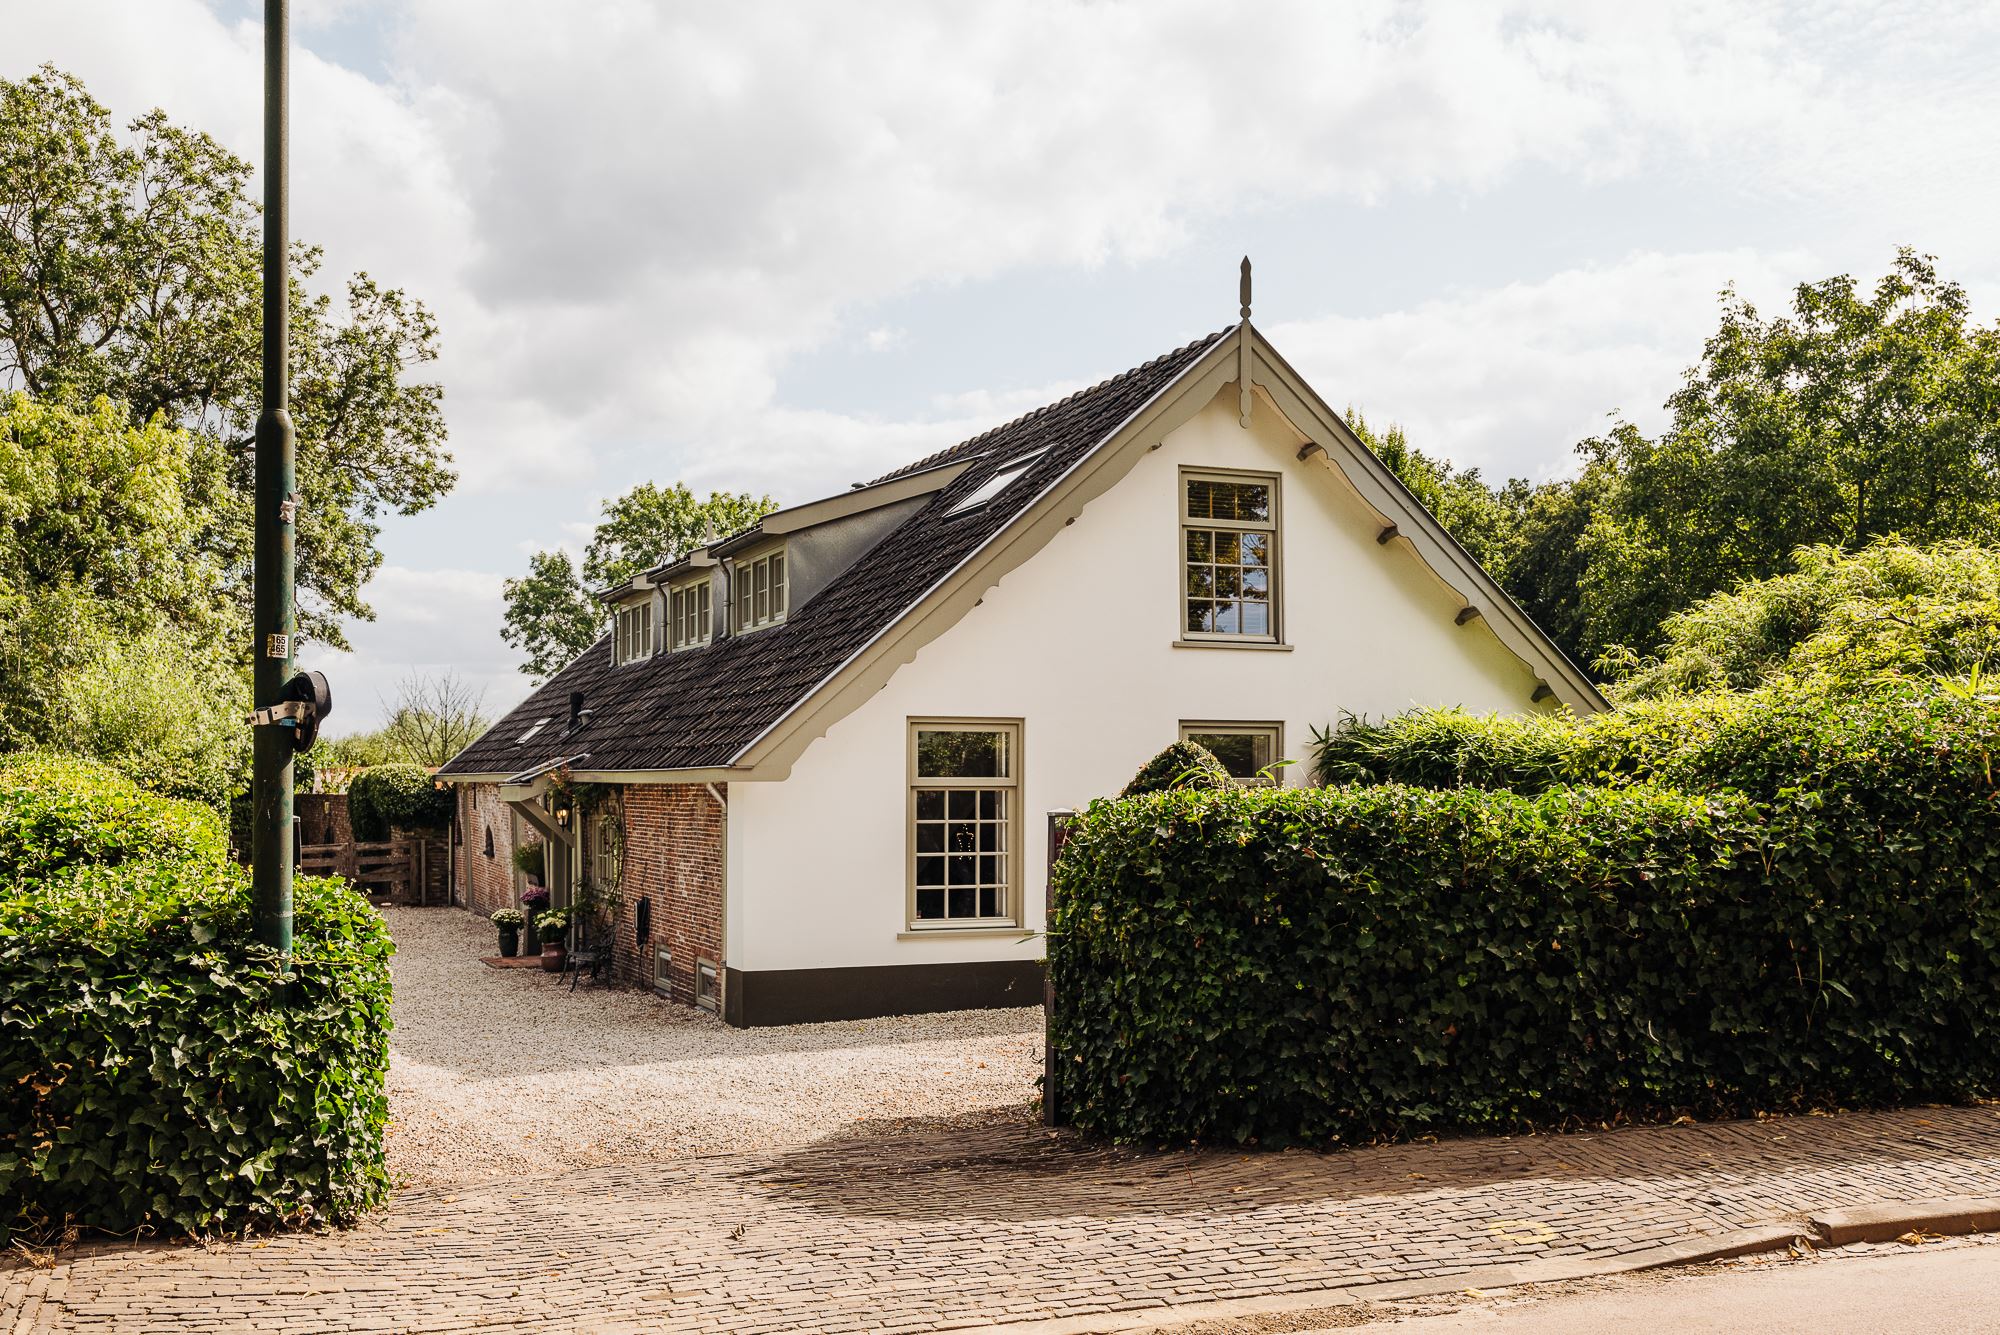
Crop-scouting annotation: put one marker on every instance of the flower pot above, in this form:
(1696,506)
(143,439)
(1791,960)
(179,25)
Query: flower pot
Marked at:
(510,942)
(553,957)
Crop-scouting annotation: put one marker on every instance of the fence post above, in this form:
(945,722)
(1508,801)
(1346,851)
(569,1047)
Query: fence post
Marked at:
(1054,1109)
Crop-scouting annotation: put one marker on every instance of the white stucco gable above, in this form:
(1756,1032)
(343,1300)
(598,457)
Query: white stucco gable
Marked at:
(1080,645)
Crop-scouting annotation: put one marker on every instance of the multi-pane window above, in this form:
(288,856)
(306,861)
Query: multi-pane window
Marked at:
(964,827)
(633,632)
(760,591)
(690,615)
(1229,542)
(1246,750)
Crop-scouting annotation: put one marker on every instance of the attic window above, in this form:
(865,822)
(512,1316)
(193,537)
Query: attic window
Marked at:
(994,485)
(539,724)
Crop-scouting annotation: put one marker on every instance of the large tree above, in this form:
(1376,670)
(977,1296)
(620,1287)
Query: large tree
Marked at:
(116,639)
(130,269)
(552,613)
(1859,415)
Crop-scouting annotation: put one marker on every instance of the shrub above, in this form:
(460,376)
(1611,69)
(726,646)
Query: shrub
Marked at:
(1318,965)
(1449,748)
(156,1072)
(1182,765)
(58,812)
(395,797)
(1838,619)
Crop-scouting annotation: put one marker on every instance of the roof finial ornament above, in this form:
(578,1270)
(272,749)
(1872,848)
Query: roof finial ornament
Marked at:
(1243,396)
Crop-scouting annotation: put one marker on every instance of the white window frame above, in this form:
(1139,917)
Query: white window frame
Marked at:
(1191,728)
(632,632)
(750,612)
(1009,827)
(1274,527)
(691,614)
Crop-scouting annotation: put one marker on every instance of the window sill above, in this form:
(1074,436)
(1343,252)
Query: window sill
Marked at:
(960,933)
(1233,644)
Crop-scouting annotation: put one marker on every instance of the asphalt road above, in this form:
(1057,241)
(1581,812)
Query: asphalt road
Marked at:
(1936,1289)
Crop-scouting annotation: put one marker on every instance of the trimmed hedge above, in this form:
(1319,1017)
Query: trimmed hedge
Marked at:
(1349,963)
(384,798)
(156,1068)
(1183,765)
(58,812)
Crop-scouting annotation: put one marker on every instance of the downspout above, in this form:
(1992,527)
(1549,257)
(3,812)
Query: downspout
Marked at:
(722,936)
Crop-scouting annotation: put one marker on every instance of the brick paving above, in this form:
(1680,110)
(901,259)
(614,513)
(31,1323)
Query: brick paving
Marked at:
(918,1229)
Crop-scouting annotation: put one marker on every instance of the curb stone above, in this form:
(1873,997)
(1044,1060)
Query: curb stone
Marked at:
(1826,1228)
(1891,1220)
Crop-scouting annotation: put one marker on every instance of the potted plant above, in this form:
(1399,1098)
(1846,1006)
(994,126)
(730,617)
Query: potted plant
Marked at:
(509,922)
(534,900)
(553,925)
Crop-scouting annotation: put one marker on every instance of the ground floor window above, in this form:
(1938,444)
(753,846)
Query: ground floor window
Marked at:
(964,818)
(1246,750)
(707,985)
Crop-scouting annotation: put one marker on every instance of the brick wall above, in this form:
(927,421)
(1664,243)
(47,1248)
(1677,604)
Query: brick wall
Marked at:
(485,884)
(323,818)
(674,857)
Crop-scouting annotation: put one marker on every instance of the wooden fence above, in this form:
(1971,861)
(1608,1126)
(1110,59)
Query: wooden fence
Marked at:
(409,869)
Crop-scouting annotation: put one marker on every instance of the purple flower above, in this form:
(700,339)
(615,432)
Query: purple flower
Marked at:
(535,897)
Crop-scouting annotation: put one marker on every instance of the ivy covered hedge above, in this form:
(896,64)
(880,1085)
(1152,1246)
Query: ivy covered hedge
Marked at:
(1811,920)
(157,1070)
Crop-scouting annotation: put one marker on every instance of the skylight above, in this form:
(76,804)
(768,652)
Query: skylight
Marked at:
(540,723)
(994,485)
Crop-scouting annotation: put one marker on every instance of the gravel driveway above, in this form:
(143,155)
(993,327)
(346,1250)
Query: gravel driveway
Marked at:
(497,1071)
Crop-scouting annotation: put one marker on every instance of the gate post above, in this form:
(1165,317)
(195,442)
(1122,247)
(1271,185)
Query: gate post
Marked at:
(1054,1111)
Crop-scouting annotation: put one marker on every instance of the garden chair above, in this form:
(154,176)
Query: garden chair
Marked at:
(590,954)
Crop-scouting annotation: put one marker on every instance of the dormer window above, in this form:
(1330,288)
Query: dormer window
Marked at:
(632,633)
(759,586)
(690,615)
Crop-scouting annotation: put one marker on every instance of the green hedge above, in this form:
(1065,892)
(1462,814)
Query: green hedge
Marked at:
(1182,765)
(386,798)
(155,1068)
(60,811)
(1346,963)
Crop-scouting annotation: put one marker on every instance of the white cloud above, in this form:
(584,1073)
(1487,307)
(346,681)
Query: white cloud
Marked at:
(1508,379)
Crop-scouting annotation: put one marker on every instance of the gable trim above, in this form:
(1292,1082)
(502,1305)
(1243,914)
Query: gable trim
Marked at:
(1404,517)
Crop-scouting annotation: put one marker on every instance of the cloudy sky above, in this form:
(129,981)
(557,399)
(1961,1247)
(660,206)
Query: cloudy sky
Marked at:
(782,247)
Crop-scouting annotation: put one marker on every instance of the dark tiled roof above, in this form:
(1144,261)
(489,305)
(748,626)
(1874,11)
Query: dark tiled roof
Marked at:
(699,708)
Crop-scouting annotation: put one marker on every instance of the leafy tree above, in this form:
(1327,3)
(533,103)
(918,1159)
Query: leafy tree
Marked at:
(115,639)
(1484,519)
(1859,415)
(1834,622)
(131,270)
(552,615)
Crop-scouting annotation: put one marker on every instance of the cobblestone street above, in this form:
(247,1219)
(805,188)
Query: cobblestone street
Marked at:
(913,1228)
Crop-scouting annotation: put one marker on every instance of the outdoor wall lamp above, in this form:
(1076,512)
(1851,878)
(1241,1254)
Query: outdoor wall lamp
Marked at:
(562,817)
